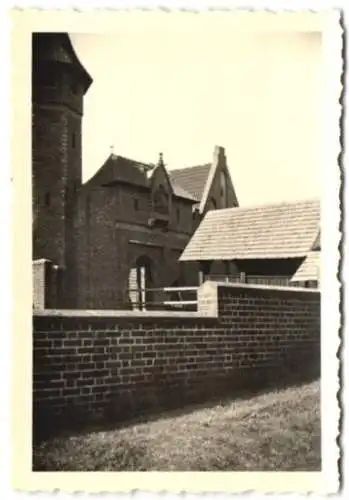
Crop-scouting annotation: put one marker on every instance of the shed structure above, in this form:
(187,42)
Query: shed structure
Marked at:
(267,243)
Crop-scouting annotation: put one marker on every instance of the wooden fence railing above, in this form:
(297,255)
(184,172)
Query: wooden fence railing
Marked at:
(255,279)
(167,298)
(185,298)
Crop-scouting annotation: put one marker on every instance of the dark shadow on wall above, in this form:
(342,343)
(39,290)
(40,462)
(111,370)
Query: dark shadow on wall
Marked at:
(176,402)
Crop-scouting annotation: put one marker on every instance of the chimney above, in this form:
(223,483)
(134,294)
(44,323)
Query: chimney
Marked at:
(219,152)
(161,160)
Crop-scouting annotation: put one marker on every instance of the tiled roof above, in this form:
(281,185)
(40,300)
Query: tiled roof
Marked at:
(58,47)
(282,230)
(119,169)
(182,193)
(192,179)
(309,270)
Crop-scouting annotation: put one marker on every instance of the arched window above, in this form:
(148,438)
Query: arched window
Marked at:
(140,280)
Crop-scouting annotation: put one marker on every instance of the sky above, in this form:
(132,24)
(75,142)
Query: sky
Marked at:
(181,89)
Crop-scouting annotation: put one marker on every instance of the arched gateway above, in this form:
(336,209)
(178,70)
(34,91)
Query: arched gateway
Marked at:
(140,280)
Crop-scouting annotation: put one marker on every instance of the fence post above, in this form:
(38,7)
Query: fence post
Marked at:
(243,277)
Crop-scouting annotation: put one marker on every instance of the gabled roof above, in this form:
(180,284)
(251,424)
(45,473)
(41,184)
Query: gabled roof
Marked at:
(219,160)
(198,180)
(118,169)
(121,170)
(282,230)
(309,270)
(192,179)
(158,170)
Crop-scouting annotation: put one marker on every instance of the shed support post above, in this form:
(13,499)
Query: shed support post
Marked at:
(204,269)
(227,269)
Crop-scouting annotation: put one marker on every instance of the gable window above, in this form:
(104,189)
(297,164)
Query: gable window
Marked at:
(223,190)
(161,200)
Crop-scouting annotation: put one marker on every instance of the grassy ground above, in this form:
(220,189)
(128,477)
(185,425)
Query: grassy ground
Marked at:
(275,431)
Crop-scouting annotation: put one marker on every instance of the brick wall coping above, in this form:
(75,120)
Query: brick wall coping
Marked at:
(41,261)
(253,286)
(105,313)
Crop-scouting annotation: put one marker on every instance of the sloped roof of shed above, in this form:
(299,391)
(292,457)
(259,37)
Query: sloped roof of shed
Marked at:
(309,270)
(282,230)
(317,242)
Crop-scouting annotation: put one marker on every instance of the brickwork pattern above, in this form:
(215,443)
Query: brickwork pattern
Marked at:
(90,367)
(109,242)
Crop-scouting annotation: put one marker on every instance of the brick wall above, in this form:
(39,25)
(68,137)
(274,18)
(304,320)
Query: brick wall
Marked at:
(111,365)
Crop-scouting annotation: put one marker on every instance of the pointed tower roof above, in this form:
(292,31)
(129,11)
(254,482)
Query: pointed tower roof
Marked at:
(49,48)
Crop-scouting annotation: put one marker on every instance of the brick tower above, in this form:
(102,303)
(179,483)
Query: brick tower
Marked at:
(59,83)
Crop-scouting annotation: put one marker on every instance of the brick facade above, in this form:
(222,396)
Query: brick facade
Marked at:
(110,365)
(113,233)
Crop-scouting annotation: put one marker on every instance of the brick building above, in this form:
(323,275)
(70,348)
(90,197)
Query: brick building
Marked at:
(127,226)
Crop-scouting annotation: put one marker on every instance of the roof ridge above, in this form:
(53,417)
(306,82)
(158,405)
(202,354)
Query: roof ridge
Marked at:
(271,204)
(114,156)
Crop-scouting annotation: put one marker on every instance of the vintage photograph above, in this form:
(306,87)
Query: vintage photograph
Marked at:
(176,246)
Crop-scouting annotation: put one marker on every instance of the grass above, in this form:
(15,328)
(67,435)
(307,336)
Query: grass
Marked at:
(278,430)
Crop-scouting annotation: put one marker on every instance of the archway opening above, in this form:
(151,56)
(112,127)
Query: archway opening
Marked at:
(140,283)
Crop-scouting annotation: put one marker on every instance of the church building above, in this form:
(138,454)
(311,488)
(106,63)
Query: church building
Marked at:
(124,229)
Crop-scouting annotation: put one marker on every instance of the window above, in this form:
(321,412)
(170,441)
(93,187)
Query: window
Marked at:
(161,200)
(73,140)
(136,204)
(178,215)
(223,192)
